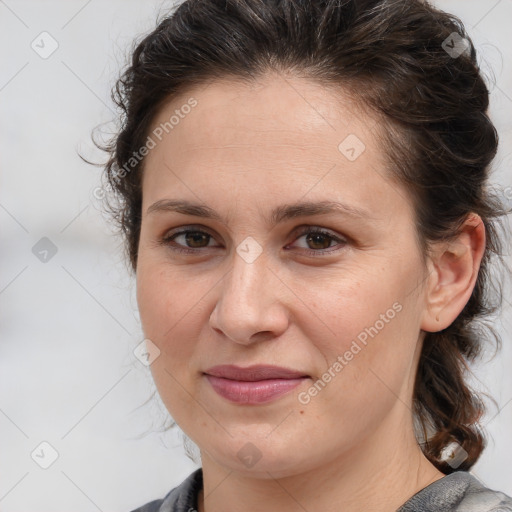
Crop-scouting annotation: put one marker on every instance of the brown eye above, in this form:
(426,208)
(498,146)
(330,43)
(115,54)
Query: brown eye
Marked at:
(196,239)
(318,241)
(188,240)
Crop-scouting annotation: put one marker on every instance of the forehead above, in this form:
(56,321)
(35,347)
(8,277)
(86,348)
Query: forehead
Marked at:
(280,135)
(296,110)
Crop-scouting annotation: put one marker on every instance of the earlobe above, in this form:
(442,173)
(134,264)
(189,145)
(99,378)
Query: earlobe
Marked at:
(454,270)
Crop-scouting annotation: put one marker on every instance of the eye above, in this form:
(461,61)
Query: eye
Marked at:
(194,240)
(318,240)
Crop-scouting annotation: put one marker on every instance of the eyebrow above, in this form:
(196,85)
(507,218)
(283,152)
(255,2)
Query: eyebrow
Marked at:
(279,214)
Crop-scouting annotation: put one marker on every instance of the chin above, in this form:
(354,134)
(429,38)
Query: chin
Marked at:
(259,458)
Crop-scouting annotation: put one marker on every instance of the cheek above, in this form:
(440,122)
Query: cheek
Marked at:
(164,295)
(169,307)
(339,309)
(166,303)
(364,380)
(366,331)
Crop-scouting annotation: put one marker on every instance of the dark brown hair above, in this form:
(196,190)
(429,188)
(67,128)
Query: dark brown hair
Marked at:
(394,58)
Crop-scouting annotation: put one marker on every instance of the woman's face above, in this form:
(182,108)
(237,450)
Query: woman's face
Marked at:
(343,308)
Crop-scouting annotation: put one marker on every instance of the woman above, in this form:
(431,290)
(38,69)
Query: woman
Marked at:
(303,192)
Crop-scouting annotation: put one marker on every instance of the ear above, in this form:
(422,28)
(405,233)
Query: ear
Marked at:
(453,273)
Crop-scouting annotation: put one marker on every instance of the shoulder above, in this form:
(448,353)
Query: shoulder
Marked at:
(182,498)
(458,492)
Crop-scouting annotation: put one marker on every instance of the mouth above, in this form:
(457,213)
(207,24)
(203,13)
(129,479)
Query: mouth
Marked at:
(255,384)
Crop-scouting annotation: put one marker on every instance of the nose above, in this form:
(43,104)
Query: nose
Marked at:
(250,306)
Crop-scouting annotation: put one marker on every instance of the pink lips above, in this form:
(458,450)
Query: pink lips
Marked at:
(253,385)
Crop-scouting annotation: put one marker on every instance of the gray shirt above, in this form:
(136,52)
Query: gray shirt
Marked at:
(456,492)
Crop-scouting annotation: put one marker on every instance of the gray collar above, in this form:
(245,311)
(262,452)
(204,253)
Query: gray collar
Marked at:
(456,492)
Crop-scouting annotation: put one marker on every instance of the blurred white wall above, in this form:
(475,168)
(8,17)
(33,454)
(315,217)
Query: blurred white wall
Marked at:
(68,376)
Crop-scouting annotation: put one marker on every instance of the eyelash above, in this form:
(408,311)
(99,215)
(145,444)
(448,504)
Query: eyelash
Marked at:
(167,241)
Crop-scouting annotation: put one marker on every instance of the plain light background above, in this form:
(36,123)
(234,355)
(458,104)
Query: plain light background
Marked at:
(68,375)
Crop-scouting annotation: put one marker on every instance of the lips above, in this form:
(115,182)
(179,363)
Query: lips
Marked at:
(253,373)
(253,385)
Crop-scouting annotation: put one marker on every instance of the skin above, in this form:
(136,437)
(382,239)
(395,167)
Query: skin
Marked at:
(242,151)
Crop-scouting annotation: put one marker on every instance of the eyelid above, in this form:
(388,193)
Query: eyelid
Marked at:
(307,228)
(189,227)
